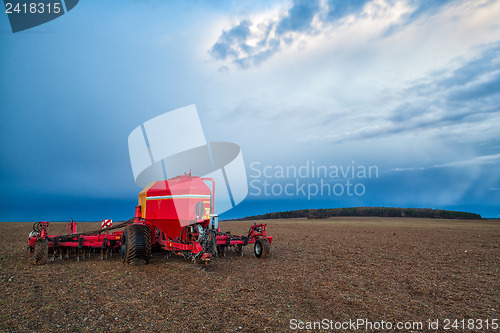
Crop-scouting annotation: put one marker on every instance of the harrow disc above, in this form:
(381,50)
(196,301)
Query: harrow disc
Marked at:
(238,249)
(210,244)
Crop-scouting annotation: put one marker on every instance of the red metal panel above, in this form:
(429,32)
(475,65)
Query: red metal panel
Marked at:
(172,204)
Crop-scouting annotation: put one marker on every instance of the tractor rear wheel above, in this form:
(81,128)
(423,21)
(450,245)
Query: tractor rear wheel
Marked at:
(262,248)
(41,251)
(136,244)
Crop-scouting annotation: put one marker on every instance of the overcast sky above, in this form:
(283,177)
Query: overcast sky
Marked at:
(411,87)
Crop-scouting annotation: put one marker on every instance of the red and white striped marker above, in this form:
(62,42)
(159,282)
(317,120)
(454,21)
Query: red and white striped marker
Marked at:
(106,224)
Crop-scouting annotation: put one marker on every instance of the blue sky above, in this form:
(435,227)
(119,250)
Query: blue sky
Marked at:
(411,87)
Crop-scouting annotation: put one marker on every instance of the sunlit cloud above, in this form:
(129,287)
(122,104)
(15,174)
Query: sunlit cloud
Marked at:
(253,40)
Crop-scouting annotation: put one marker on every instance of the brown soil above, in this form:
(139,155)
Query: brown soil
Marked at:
(338,269)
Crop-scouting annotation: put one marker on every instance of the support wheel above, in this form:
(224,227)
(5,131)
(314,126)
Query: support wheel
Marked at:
(262,248)
(136,244)
(41,251)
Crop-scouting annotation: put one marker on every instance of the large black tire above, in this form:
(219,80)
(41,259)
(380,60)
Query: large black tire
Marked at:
(262,248)
(41,251)
(136,244)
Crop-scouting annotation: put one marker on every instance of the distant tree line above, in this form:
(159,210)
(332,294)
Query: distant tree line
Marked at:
(367,211)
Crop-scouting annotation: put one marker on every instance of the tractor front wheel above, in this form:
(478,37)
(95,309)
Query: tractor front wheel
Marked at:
(262,248)
(136,244)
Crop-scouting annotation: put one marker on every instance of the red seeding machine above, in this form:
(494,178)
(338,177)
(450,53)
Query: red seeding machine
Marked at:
(175,216)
